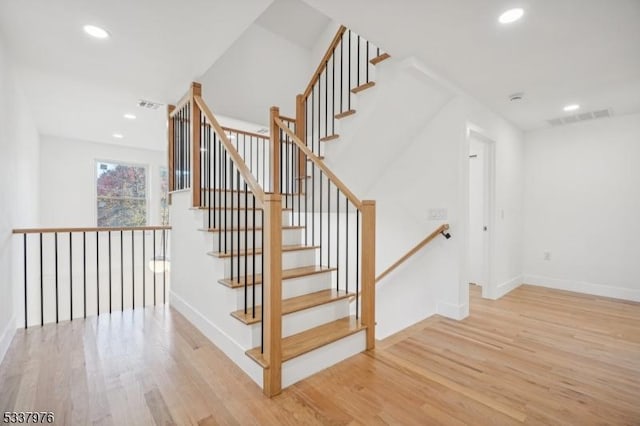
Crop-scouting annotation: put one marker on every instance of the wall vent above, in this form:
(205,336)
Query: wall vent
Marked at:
(263,131)
(583,116)
(143,103)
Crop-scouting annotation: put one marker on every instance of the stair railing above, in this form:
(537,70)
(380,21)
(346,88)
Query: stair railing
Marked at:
(246,221)
(343,71)
(335,220)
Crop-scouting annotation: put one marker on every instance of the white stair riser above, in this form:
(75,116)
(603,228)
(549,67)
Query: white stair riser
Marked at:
(290,259)
(310,363)
(289,237)
(297,322)
(231,218)
(290,288)
(230,199)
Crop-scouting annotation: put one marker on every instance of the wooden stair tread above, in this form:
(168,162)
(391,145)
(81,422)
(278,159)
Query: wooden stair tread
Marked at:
(329,138)
(287,274)
(363,87)
(379,58)
(295,304)
(303,177)
(245,229)
(344,114)
(287,248)
(314,338)
(319,157)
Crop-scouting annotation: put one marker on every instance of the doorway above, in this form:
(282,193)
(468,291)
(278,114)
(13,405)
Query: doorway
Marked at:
(480,214)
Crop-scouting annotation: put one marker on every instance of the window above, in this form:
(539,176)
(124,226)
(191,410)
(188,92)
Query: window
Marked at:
(121,194)
(164,196)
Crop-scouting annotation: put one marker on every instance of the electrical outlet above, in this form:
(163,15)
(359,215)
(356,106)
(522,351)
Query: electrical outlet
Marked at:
(547,255)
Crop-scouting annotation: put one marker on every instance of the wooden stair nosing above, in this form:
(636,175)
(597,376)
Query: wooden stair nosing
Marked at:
(345,114)
(330,138)
(312,339)
(362,87)
(258,251)
(287,274)
(295,304)
(380,58)
(245,229)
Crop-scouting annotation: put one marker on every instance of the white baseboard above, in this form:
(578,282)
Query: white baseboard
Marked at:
(6,336)
(218,337)
(450,310)
(584,287)
(506,287)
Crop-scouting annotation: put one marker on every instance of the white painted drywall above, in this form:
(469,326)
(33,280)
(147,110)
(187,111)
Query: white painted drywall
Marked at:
(413,128)
(260,70)
(19,151)
(582,204)
(68,179)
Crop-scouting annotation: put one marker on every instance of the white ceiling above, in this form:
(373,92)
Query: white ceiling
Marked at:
(561,52)
(295,21)
(80,87)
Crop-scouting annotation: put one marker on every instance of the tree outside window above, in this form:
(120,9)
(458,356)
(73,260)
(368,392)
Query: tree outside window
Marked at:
(164,196)
(121,195)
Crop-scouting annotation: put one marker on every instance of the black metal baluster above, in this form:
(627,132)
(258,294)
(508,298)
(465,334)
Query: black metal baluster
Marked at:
(70,276)
(164,269)
(313,118)
(253,288)
(349,74)
(367,61)
(133,267)
(121,271)
(333,95)
(358,62)
(357,263)
(341,69)
(326,98)
(238,221)
(97,274)
(55,241)
(155,265)
(24,245)
(144,273)
(261,289)
(84,271)
(109,236)
(246,240)
(346,252)
(338,238)
(321,215)
(41,286)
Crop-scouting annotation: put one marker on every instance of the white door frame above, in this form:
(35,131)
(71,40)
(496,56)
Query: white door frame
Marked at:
(489,286)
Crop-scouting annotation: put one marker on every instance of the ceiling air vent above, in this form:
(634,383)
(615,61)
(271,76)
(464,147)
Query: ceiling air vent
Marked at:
(263,131)
(142,103)
(583,116)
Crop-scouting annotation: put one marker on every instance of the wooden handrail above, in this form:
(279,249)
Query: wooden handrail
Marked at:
(289,119)
(413,251)
(94,229)
(185,100)
(253,185)
(318,162)
(325,58)
(244,132)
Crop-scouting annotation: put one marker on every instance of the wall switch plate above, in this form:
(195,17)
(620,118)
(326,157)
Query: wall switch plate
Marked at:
(438,214)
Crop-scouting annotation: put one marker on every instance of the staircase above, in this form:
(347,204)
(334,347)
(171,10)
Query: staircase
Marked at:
(293,249)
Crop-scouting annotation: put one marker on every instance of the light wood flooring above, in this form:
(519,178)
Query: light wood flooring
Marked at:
(536,356)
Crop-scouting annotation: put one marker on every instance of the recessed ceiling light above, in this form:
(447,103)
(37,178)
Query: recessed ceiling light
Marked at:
(511,15)
(96,32)
(118,135)
(572,107)
(130,116)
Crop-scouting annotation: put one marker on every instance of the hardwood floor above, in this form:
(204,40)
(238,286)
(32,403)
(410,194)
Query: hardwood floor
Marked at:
(537,356)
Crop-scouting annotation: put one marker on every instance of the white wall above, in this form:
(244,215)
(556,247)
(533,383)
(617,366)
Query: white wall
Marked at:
(68,179)
(260,70)
(19,151)
(582,204)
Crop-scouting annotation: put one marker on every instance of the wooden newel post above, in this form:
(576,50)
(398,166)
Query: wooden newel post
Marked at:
(301,133)
(196,187)
(171,146)
(272,294)
(368,271)
(275,149)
